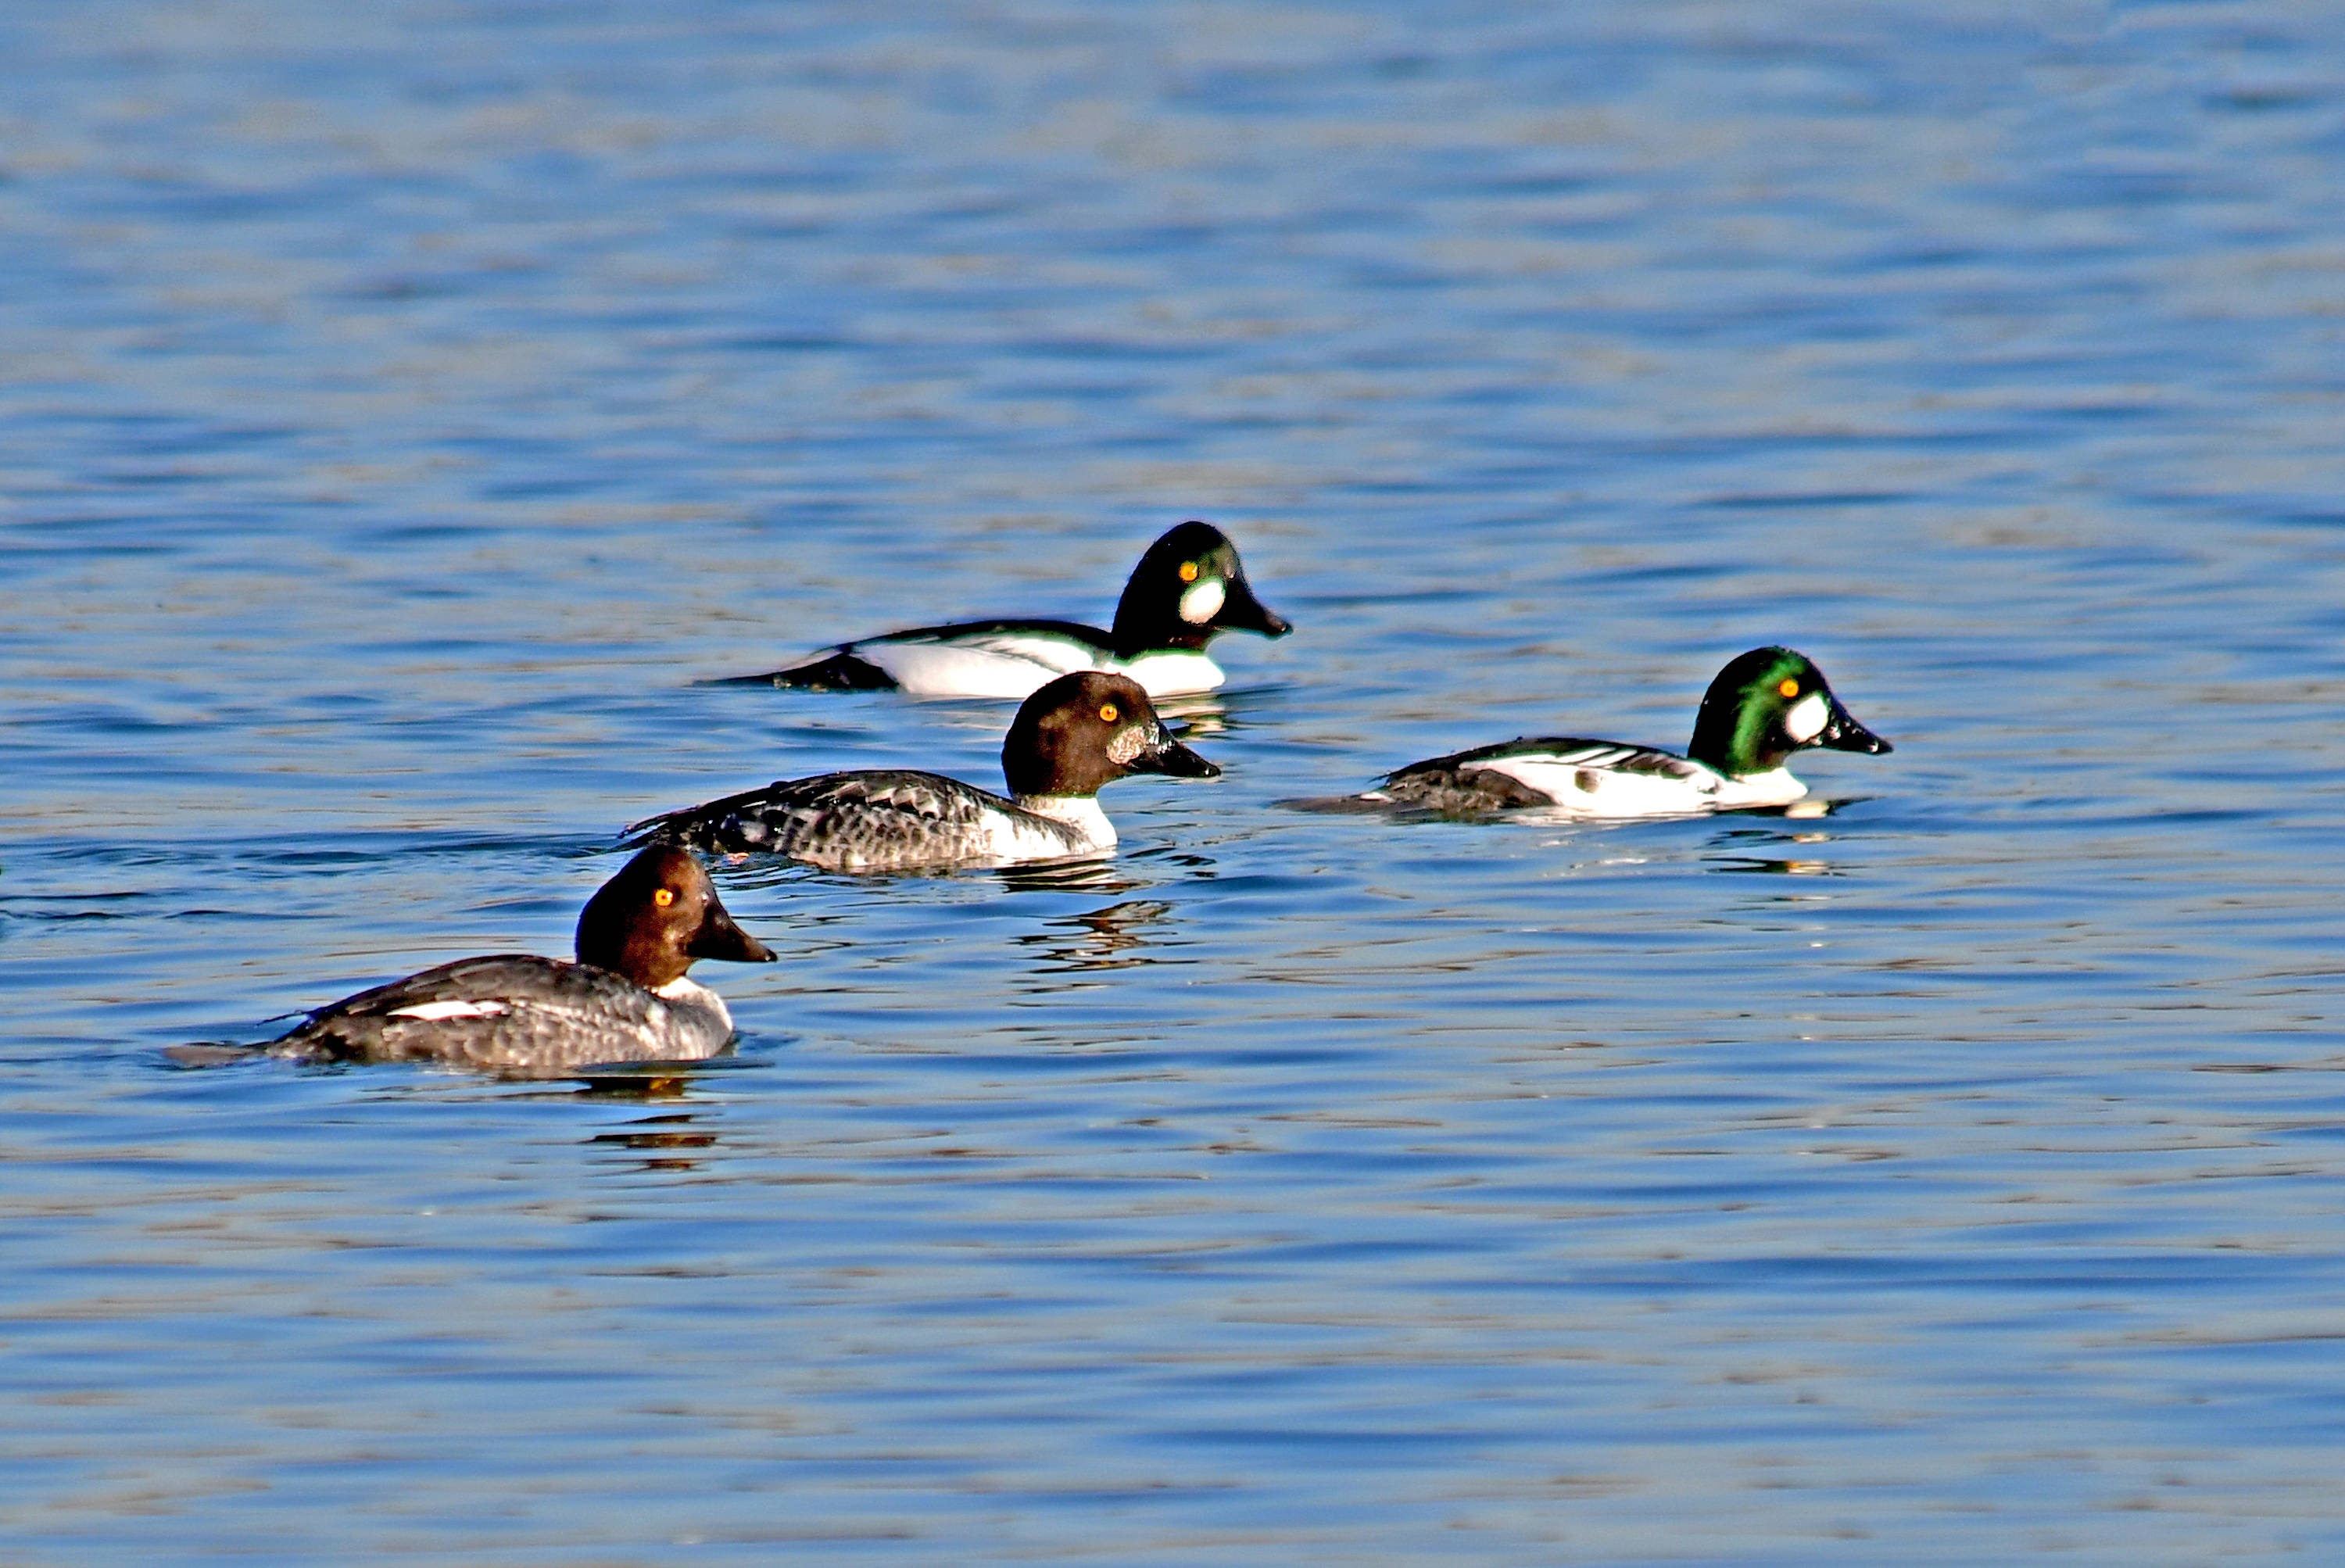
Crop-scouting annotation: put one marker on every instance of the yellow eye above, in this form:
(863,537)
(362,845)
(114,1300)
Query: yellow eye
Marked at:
(1110,712)
(1790,689)
(1188,571)
(663,896)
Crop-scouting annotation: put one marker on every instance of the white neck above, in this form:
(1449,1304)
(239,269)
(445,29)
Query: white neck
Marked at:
(686,991)
(1080,812)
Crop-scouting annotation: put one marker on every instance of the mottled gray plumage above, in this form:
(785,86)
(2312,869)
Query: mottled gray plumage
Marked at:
(626,1000)
(881,817)
(528,1014)
(1078,734)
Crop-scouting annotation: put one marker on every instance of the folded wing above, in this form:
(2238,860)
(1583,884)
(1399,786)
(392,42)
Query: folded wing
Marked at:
(876,817)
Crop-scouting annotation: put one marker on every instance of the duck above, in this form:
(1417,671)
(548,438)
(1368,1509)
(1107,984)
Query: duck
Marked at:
(626,999)
(1188,589)
(1765,705)
(1078,733)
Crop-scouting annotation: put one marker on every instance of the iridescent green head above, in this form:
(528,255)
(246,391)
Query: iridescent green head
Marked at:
(1766,705)
(1187,589)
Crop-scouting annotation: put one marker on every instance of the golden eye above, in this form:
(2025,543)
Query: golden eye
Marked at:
(1790,689)
(663,896)
(1110,712)
(1188,571)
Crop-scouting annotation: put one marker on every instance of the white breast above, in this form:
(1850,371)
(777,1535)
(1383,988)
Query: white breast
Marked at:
(1013,839)
(1173,673)
(687,993)
(1774,787)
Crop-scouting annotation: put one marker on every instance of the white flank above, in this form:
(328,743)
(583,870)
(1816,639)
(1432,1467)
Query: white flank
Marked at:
(1013,839)
(436,1012)
(1001,666)
(1587,791)
(1808,718)
(1176,673)
(1201,602)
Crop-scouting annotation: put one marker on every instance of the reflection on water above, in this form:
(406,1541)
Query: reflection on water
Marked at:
(658,1137)
(1194,715)
(1748,846)
(1772,867)
(1089,875)
(1106,938)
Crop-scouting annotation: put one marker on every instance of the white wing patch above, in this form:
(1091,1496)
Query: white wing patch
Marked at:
(1201,602)
(436,1012)
(1807,719)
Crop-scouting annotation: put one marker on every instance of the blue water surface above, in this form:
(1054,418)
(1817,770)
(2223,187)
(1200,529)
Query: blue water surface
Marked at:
(403,406)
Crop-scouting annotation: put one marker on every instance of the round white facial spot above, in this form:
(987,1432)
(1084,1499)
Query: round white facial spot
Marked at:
(1126,744)
(1201,602)
(1807,719)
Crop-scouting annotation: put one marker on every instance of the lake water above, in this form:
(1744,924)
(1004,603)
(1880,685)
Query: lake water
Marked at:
(402,406)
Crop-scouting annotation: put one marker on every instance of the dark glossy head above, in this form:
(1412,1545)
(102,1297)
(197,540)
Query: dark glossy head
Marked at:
(1188,587)
(1766,705)
(658,915)
(1086,730)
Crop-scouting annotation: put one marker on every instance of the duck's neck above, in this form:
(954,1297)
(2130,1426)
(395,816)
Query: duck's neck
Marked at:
(1734,741)
(1080,812)
(686,991)
(1144,625)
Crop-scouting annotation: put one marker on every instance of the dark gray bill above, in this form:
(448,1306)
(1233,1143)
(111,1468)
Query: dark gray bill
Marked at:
(1169,756)
(1843,733)
(718,937)
(1242,612)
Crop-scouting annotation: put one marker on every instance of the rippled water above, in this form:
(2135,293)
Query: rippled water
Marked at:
(400,409)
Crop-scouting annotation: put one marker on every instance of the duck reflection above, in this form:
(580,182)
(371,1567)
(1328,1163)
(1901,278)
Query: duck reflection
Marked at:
(661,1140)
(1065,876)
(1803,860)
(1199,714)
(1108,938)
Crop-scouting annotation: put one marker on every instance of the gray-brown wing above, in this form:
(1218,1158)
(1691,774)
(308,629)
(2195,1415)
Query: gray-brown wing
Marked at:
(511,1012)
(876,817)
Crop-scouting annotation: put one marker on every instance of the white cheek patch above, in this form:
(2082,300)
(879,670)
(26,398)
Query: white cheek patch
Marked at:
(1124,745)
(434,1011)
(1201,602)
(1808,718)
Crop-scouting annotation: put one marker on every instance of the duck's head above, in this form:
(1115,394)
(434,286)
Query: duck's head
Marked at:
(1766,705)
(658,915)
(1086,730)
(1188,587)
